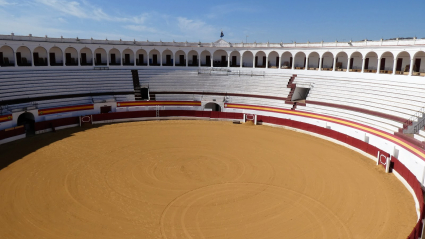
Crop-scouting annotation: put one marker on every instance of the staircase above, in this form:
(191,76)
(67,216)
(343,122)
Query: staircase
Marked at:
(136,84)
(289,97)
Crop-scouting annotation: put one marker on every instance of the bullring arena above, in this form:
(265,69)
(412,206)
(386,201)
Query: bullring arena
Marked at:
(116,139)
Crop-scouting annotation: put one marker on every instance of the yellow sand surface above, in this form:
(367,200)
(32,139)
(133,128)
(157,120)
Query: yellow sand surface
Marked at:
(196,179)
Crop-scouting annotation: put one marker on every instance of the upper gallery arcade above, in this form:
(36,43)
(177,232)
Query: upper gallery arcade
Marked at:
(396,57)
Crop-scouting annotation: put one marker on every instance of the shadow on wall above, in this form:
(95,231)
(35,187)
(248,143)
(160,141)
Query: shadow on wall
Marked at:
(13,151)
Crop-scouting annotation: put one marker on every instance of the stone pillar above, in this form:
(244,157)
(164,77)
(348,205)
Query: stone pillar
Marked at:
(63,59)
(48,59)
(160,60)
(253,62)
(379,66)
(241,61)
(267,62)
(280,62)
(228,61)
(411,66)
(334,65)
(79,58)
(363,62)
(320,64)
(306,63)
(107,59)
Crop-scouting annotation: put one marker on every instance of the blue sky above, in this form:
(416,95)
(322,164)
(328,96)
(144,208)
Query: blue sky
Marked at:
(261,21)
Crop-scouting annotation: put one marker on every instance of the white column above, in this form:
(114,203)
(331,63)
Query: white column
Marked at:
(267,62)
(134,59)
(79,58)
(187,60)
(411,67)
(160,60)
(121,59)
(320,64)
(228,61)
(280,62)
(92,62)
(212,61)
(241,61)
(363,62)
(48,59)
(306,63)
(253,62)
(394,66)
(107,59)
(293,62)
(199,61)
(348,64)
(334,65)
(174,60)
(63,59)
(379,66)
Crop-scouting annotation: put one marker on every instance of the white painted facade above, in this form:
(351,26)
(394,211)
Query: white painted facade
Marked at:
(350,57)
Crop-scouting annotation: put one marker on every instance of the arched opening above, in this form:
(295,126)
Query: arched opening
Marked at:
(23,56)
(40,56)
(313,61)
(71,56)
(206,58)
(180,58)
(86,57)
(7,57)
(213,107)
(114,57)
(167,58)
(419,64)
(356,61)
(27,120)
(56,56)
(273,59)
(235,59)
(403,63)
(371,62)
(100,58)
(387,63)
(327,61)
(220,58)
(341,61)
(247,59)
(192,57)
(260,59)
(154,57)
(300,60)
(141,58)
(287,60)
(128,57)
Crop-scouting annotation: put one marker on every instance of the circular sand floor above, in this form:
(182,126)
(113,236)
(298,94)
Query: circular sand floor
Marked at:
(196,179)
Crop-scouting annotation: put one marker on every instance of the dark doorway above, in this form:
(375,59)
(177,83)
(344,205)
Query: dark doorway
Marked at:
(417,65)
(399,64)
(168,60)
(213,106)
(52,57)
(195,60)
(98,58)
(144,92)
(105,109)
(27,120)
(68,59)
(305,61)
(1,59)
(141,60)
(208,60)
(36,58)
(223,61)
(290,62)
(277,61)
(113,59)
(233,60)
(154,59)
(182,63)
(127,59)
(18,58)
(83,58)
(366,64)
(264,61)
(351,63)
(256,61)
(382,67)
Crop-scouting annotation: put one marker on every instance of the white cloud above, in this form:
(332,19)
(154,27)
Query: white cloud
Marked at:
(6,3)
(196,28)
(140,28)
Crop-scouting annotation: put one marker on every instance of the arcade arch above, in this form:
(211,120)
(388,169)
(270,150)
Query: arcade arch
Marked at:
(327,61)
(128,57)
(7,56)
(180,57)
(341,61)
(141,57)
(300,61)
(114,57)
(287,60)
(313,61)
(71,56)
(356,61)
(419,64)
(56,56)
(86,57)
(235,59)
(154,57)
(387,63)
(206,58)
(403,63)
(167,58)
(193,58)
(371,62)
(220,58)
(260,59)
(247,59)
(40,56)
(100,57)
(23,56)
(274,60)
